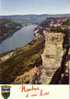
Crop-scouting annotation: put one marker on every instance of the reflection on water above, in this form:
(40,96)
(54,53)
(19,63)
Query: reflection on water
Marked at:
(19,39)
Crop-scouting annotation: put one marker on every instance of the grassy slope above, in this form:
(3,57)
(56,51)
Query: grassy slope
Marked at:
(22,60)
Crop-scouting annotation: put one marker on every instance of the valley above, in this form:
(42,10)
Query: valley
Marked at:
(43,60)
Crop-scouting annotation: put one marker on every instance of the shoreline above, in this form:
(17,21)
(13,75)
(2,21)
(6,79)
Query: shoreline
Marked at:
(29,55)
(21,32)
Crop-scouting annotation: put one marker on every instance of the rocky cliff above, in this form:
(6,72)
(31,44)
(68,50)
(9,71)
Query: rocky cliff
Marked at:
(54,67)
(53,57)
(45,60)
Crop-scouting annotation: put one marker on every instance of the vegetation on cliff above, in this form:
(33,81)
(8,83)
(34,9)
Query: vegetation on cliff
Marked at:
(22,59)
(46,56)
(7,28)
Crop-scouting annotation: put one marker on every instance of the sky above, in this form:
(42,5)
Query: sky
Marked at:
(21,7)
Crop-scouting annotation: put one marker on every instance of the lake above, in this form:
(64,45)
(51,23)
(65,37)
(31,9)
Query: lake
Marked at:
(19,39)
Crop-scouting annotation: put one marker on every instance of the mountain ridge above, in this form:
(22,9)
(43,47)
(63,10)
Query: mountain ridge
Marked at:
(32,18)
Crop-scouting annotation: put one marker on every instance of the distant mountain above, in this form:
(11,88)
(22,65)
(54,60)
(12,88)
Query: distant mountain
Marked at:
(33,19)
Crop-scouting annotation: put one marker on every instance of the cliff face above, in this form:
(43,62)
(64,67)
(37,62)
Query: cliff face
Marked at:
(55,57)
(45,60)
(52,55)
(54,68)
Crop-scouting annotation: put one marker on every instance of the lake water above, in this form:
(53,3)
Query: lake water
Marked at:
(19,39)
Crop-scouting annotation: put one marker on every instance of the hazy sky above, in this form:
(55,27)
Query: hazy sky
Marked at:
(9,7)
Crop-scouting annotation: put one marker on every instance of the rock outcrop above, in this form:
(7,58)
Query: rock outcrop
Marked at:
(52,55)
(53,58)
(45,60)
